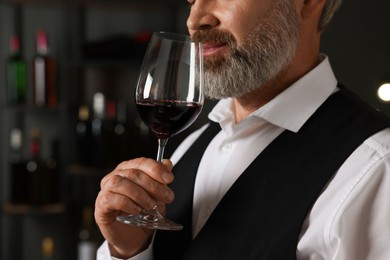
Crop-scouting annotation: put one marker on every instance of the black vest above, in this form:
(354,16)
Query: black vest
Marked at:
(261,215)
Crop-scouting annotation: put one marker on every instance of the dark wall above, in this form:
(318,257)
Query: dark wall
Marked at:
(358,44)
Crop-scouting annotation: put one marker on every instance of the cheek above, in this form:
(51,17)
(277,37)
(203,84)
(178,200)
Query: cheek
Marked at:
(240,20)
(235,24)
(242,16)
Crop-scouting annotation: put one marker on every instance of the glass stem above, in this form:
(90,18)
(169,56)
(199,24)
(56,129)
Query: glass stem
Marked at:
(161,147)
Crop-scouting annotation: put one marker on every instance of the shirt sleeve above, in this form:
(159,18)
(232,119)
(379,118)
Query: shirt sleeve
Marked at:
(103,253)
(351,219)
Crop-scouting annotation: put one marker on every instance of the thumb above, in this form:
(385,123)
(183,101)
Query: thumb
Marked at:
(168,163)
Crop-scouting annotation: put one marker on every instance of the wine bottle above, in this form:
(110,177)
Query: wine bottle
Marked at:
(18,175)
(35,168)
(109,150)
(87,244)
(84,136)
(16,73)
(96,125)
(51,182)
(98,113)
(122,133)
(44,73)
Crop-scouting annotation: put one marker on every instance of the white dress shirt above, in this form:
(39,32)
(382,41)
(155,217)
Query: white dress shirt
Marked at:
(351,218)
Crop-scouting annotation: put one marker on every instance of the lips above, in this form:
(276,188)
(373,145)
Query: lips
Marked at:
(212,48)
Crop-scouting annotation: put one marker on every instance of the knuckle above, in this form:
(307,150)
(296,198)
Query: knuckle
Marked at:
(124,165)
(148,164)
(114,180)
(136,176)
(106,197)
(138,161)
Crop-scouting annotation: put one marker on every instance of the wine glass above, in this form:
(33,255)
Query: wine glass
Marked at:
(169,97)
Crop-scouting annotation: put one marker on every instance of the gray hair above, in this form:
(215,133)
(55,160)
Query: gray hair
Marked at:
(329,10)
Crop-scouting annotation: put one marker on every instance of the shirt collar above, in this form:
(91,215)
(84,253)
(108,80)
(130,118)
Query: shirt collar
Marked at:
(291,108)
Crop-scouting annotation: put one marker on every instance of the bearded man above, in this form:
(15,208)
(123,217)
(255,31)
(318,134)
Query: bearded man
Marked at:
(291,166)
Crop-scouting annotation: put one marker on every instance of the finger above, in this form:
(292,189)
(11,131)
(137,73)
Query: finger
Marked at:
(139,187)
(129,165)
(154,169)
(168,163)
(110,204)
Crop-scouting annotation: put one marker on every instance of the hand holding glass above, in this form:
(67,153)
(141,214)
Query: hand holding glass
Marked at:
(169,97)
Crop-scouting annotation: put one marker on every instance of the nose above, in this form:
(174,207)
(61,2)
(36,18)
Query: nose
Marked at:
(202,16)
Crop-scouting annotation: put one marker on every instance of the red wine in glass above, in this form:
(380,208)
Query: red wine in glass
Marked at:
(168,117)
(169,97)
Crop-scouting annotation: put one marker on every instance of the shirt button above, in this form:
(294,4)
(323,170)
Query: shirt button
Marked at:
(227,147)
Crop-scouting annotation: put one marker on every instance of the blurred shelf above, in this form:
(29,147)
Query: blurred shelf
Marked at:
(150,4)
(84,170)
(106,63)
(28,108)
(26,209)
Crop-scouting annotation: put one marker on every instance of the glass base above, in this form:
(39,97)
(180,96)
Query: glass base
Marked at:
(151,221)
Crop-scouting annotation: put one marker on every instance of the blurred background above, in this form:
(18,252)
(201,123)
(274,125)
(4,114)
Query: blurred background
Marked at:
(67,116)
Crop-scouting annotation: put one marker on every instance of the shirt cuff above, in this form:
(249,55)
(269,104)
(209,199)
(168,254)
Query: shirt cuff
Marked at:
(103,253)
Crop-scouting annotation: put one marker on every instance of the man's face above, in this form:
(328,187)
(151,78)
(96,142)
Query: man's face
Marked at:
(246,43)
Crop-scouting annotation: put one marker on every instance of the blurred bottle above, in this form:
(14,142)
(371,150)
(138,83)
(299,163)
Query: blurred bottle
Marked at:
(47,248)
(18,176)
(97,125)
(16,73)
(141,41)
(98,113)
(109,148)
(44,73)
(51,176)
(35,168)
(84,136)
(122,133)
(87,245)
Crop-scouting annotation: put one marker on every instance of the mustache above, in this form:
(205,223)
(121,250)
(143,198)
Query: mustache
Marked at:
(215,36)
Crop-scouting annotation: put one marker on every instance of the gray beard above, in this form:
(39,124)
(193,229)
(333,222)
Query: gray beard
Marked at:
(269,49)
